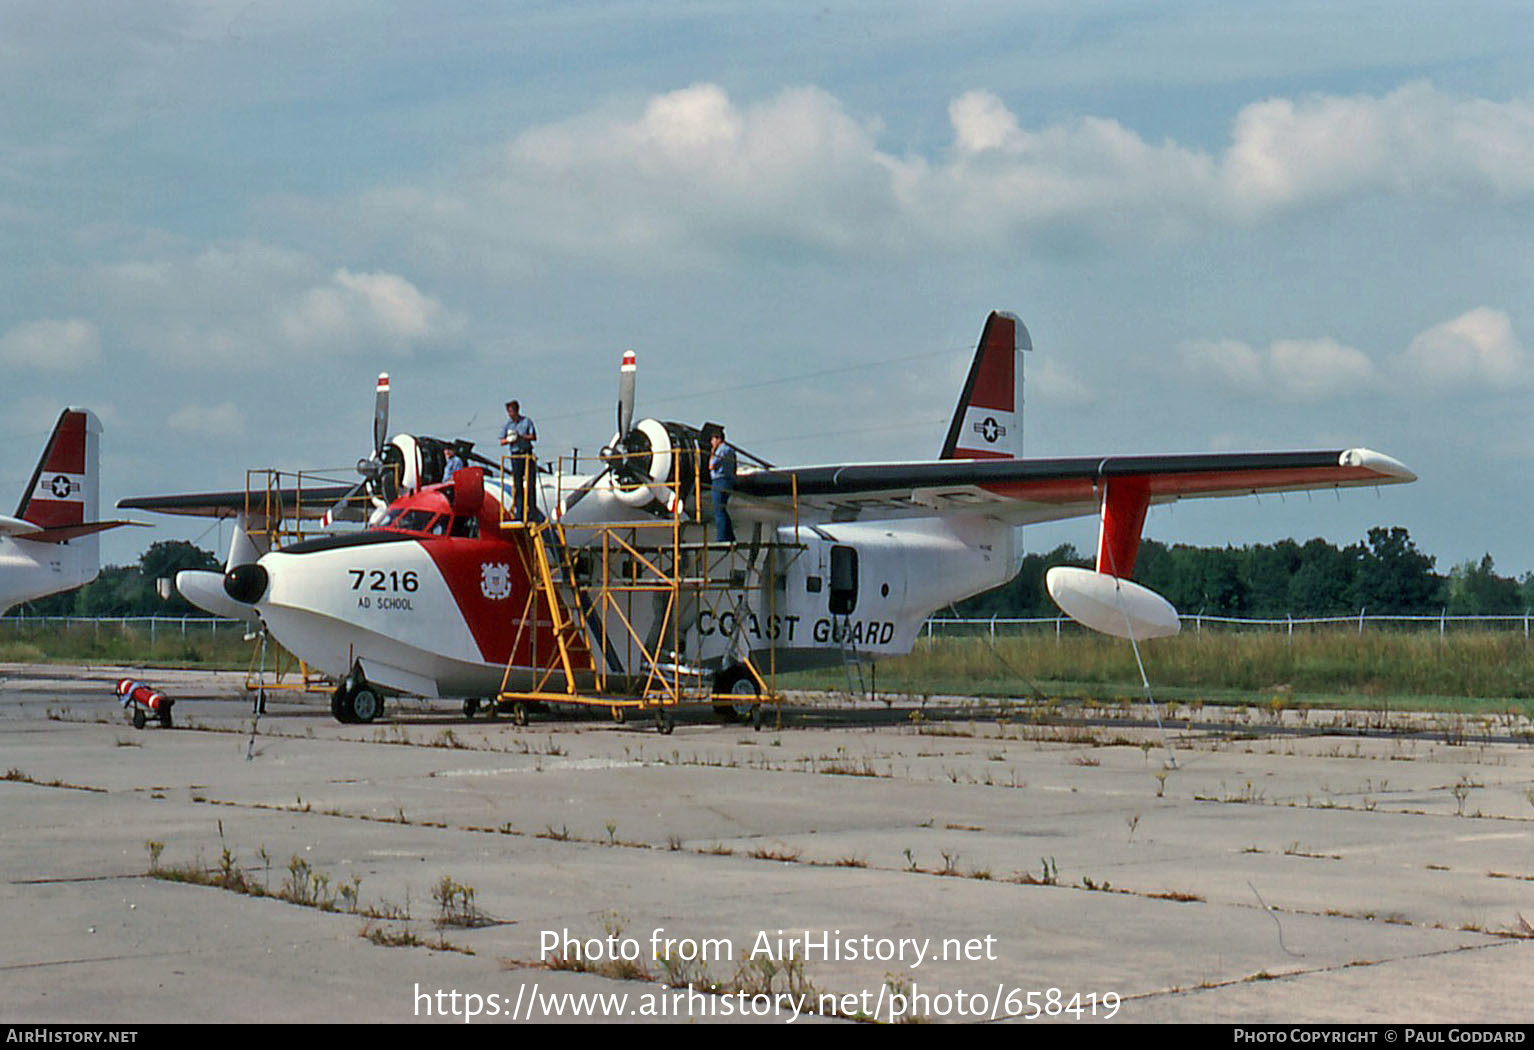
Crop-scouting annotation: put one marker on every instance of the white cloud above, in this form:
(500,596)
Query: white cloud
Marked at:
(1053,382)
(1229,363)
(1415,140)
(56,346)
(1475,348)
(694,175)
(1290,369)
(222,420)
(378,308)
(245,304)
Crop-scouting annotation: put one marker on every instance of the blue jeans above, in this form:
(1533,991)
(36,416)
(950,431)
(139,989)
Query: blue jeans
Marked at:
(724,531)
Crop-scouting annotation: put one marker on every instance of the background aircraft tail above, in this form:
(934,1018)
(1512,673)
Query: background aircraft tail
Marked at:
(63,499)
(988,422)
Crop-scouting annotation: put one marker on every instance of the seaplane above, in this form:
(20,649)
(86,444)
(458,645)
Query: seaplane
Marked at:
(51,544)
(438,595)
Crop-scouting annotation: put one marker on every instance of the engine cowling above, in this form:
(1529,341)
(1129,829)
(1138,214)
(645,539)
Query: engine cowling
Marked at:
(656,460)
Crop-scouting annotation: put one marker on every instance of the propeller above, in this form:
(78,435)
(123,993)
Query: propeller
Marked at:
(380,471)
(617,455)
(626,375)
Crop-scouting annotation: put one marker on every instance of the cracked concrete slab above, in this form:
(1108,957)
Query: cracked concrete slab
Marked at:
(1271,876)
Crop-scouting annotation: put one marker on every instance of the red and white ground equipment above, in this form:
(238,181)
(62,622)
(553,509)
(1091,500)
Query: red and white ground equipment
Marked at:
(143,701)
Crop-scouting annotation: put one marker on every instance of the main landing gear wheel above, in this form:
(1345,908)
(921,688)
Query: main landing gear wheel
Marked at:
(663,722)
(165,716)
(366,704)
(355,700)
(471,708)
(139,718)
(519,713)
(737,681)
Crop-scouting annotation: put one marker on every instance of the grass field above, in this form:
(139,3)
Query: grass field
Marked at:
(166,644)
(1469,670)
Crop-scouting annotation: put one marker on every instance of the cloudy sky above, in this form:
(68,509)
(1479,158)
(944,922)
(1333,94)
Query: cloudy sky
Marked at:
(1254,226)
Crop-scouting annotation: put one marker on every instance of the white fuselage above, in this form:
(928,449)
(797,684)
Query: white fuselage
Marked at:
(30,569)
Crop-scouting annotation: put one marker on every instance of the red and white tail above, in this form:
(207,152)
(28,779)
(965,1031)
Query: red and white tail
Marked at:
(65,487)
(988,422)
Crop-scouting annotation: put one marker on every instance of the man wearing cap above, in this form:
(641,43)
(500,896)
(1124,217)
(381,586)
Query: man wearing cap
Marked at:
(518,435)
(721,478)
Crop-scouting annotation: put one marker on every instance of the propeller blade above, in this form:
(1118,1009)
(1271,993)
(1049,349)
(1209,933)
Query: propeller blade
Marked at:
(580,493)
(381,414)
(626,375)
(346,508)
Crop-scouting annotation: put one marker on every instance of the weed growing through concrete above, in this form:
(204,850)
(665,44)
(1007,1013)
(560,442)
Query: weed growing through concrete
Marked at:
(455,905)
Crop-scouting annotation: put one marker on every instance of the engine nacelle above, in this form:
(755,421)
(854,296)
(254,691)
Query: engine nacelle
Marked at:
(657,460)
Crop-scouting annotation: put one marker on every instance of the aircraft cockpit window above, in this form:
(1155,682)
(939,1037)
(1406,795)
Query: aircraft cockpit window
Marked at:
(416,520)
(466,526)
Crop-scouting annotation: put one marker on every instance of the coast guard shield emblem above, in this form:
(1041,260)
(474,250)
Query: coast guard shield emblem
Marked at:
(495,580)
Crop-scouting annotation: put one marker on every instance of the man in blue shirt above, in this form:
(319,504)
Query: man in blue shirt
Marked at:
(721,477)
(518,435)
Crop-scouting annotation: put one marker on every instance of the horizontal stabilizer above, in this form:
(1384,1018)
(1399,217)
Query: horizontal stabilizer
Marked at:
(61,533)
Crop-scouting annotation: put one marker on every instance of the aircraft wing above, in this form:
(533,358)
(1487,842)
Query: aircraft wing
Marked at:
(1024,491)
(303,503)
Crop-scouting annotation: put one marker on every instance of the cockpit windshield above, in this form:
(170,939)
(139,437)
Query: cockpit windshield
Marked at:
(425,521)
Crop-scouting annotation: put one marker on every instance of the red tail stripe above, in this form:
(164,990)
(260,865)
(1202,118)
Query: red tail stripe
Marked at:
(66,453)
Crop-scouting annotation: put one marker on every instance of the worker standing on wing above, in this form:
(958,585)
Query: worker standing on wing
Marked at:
(721,477)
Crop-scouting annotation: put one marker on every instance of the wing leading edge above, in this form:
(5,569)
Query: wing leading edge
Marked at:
(306,503)
(1025,491)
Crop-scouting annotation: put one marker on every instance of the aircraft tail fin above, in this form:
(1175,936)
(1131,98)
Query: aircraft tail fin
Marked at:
(64,496)
(66,486)
(988,421)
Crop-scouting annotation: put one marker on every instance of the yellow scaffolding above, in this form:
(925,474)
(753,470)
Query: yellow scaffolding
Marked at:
(587,597)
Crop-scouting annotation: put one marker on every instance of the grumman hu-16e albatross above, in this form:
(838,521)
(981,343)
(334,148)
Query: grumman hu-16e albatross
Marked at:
(50,544)
(436,597)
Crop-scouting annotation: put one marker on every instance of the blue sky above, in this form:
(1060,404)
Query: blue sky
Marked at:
(1227,227)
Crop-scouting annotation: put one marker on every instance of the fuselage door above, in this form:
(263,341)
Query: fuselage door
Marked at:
(844,580)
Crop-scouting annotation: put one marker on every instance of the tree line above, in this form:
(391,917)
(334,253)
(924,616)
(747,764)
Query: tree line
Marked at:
(1383,575)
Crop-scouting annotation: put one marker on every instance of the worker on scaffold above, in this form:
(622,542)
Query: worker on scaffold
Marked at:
(518,435)
(721,478)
